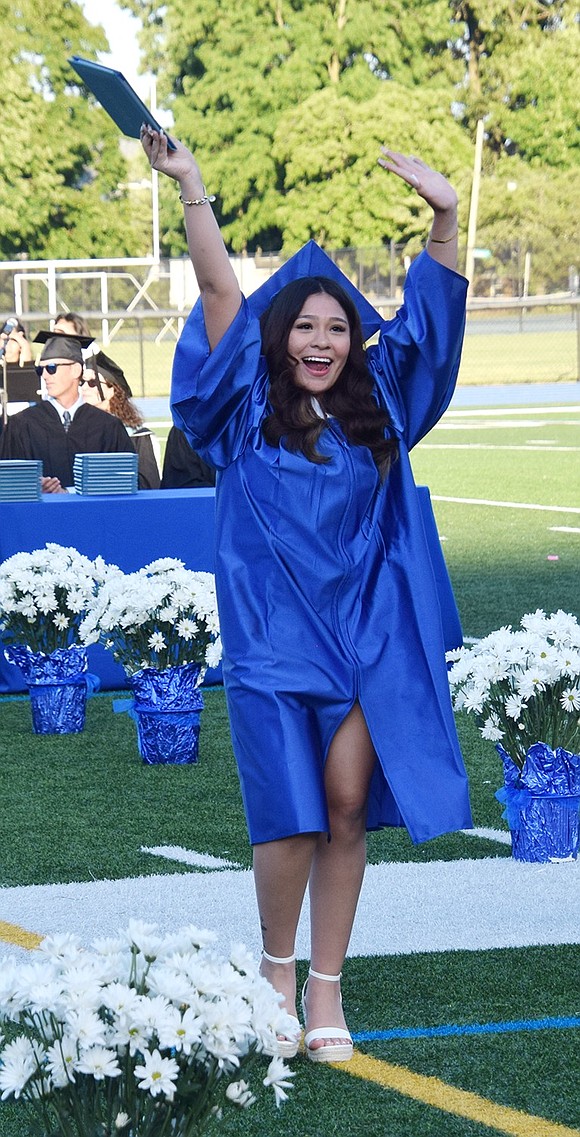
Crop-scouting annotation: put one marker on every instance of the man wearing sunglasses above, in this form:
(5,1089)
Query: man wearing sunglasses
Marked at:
(62,425)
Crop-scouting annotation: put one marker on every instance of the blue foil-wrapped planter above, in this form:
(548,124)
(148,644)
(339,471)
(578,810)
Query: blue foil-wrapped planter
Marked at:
(542,803)
(58,684)
(167,706)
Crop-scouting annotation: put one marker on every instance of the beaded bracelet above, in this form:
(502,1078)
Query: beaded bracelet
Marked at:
(197,200)
(438,241)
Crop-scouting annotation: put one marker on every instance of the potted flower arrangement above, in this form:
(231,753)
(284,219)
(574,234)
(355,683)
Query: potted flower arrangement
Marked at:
(161,624)
(141,1035)
(523,687)
(44,596)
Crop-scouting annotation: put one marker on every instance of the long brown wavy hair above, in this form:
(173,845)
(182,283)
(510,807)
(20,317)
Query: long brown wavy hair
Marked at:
(124,408)
(293,421)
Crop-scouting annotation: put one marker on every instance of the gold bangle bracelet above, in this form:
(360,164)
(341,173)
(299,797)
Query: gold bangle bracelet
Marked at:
(438,241)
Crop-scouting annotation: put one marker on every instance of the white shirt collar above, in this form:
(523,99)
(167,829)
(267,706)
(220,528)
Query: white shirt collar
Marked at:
(316,406)
(71,410)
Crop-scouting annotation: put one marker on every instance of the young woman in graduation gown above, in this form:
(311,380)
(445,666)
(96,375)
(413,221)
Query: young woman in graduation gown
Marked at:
(334,663)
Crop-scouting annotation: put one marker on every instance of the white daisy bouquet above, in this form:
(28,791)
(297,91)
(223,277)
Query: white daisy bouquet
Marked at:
(45,595)
(142,1035)
(162,616)
(523,686)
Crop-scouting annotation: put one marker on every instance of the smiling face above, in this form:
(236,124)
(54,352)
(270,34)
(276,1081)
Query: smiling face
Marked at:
(319,341)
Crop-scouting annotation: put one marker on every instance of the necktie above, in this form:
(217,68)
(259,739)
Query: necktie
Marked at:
(66,419)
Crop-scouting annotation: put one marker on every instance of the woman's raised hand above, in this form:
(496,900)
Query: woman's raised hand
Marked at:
(178,164)
(429,184)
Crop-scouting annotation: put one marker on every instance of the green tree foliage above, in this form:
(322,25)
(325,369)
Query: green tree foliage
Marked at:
(231,73)
(334,190)
(522,60)
(60,162)
(285,103)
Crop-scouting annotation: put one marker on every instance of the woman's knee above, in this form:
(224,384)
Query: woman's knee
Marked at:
(347,816)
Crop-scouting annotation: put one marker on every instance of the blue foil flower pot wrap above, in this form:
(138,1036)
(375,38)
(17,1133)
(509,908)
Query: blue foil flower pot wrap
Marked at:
(542,803)
(167,706)
(58,684)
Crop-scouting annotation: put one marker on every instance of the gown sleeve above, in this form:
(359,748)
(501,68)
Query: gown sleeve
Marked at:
(416,361)
(12,441)
(218,397)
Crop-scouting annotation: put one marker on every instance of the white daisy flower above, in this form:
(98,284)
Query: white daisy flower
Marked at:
(100,1063)
(277,1077)
(157,1074)
(570,699)
(19,1063)
(60,1060)
(157,641)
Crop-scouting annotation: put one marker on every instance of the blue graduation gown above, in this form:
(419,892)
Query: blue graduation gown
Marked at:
(325,587)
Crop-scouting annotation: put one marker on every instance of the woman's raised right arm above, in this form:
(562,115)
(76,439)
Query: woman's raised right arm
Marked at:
(218,286)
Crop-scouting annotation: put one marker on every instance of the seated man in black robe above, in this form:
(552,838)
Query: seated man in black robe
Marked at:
(62,425)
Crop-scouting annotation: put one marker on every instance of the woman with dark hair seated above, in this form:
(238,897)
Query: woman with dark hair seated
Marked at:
(104,385)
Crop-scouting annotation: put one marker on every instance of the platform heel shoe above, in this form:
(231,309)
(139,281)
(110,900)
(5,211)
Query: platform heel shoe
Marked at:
(287,1047)
(340,1051)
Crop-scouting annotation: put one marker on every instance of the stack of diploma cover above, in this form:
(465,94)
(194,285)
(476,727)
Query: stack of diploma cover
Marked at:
(20,480)
(105,473)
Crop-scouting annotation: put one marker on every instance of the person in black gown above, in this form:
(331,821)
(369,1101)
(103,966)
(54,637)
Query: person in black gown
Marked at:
(183,468)
(62,425)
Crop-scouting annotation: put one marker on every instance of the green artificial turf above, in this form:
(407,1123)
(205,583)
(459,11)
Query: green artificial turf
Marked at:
(498,557)
(87,803)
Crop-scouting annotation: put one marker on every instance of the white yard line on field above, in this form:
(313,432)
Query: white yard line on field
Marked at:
(489,412)
(189,857)
(490,834)
(562,529)
(466,904)
(492,446)
(494,424)
(507,504)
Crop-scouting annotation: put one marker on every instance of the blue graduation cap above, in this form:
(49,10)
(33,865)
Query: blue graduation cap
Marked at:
(311,260)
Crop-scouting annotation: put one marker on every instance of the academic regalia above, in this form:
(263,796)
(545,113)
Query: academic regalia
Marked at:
(326,591)
(182,467)
(39,433)
(142,439)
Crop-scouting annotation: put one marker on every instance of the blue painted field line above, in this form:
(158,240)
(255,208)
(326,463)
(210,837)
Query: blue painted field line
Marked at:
(467,1028)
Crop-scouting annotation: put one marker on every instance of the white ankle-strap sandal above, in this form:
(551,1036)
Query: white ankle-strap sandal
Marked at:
(287,1046)
(340,1051)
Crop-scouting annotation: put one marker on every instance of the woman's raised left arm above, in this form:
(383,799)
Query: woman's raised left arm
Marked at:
(438,193)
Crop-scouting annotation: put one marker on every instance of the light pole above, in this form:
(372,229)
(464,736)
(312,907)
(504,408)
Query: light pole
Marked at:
(472,223)
(154,182)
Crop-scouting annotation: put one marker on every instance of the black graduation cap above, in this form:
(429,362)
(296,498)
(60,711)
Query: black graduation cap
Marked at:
(61,345)
(311,260)
(105,366)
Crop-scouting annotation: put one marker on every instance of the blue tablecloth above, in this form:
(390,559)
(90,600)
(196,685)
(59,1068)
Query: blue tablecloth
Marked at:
(133,530)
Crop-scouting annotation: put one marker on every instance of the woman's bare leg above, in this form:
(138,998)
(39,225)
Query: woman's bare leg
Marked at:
(338,865)
(281,870)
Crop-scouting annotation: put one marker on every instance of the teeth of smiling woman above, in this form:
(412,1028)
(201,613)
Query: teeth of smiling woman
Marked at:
(317,362)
